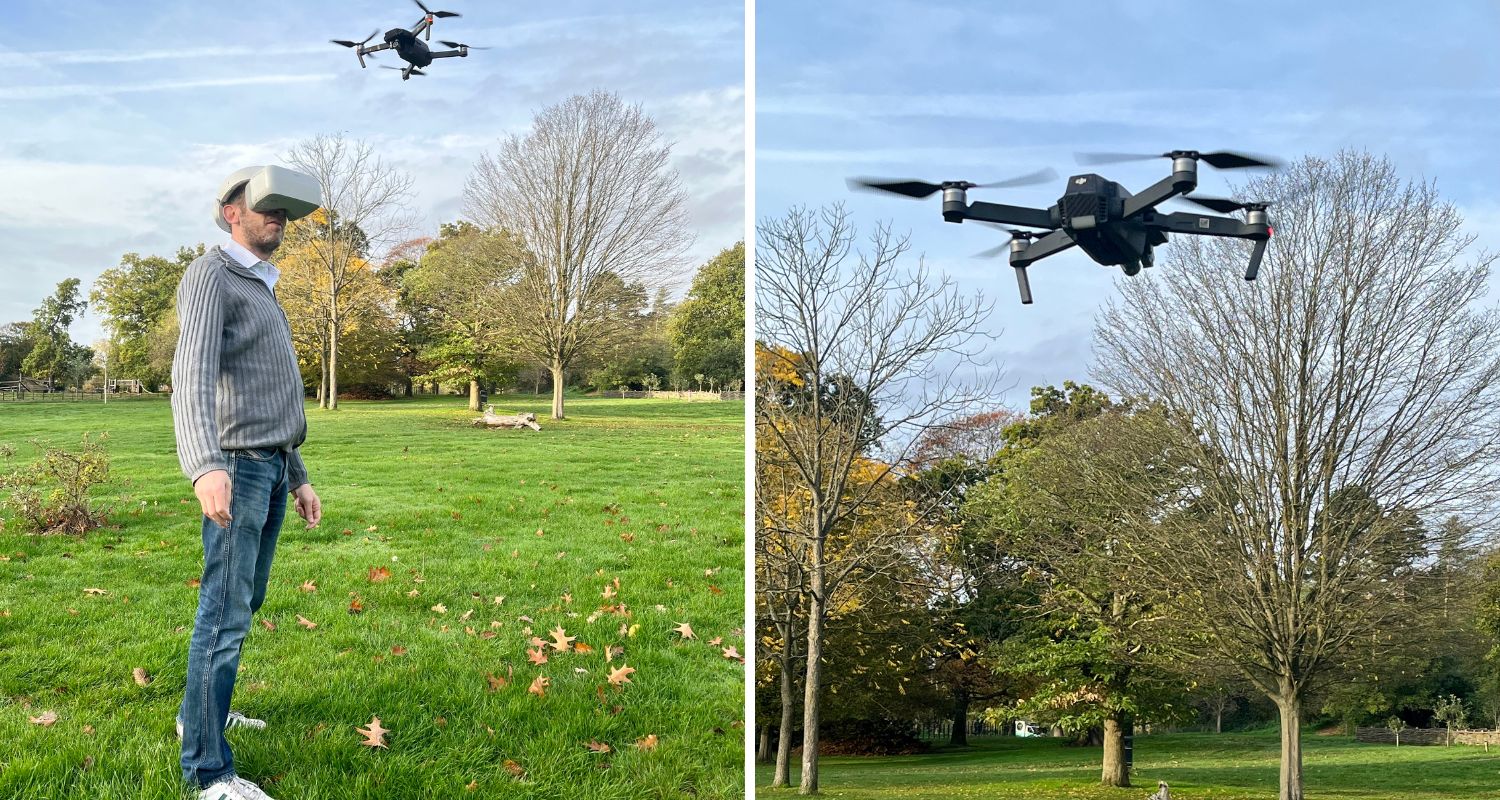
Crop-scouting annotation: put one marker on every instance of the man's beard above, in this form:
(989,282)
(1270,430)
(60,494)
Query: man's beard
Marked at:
(268,240)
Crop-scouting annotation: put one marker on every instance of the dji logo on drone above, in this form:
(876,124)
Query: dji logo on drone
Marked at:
(1080,181)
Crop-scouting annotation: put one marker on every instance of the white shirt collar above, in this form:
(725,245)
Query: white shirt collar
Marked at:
(264,270)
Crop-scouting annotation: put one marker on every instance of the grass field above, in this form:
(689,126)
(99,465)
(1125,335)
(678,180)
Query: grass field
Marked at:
(649,493)
(1231,766)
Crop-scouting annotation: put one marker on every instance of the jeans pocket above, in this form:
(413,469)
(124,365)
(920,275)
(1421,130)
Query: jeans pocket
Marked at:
(259,453)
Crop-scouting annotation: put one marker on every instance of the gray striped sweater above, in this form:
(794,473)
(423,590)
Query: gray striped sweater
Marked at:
(235,379)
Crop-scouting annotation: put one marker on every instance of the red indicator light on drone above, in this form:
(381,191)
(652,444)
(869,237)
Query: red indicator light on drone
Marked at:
(1270,231)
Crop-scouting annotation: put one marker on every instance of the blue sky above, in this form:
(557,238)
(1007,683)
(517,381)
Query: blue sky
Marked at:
(986,91)
(120,119)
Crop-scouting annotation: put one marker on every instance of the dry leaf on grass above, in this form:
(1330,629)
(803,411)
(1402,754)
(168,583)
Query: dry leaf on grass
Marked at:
(268,625)
(598,747)
(141,678)
(539,686)
(647,743)
(716,641)
(305,622)
(620,675)
(685,630)
(733,654)
(308,586)
(537,656)
(560,638)
(45,719)
(379,574)
(496,682)
(356,606)
(374,734)
(95,592)
(514,769)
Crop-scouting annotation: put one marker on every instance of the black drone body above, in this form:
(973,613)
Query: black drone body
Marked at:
(409,44)
(1101,217)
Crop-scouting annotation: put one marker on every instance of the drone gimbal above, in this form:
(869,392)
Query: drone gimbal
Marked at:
(1112,226)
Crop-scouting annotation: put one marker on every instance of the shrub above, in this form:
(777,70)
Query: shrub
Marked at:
(51,494)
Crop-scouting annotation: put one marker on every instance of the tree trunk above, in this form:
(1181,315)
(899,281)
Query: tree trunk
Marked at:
(811,685)
(763,746)
(322,377)
(408,382)
(557,389)
(1219,720)
(788,708)
(473,395)
(960,737)
(333,364)
(1115,771)
(1290,706)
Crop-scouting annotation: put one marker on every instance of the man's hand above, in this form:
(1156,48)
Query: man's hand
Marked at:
(212,489)
(309,507)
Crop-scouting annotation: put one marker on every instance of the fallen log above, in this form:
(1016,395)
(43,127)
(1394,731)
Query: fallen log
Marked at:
(493,420)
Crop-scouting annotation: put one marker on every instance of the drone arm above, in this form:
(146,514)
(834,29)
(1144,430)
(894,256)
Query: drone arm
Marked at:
(1163,190)
(997,212)
(1207,225)
(1052,243)
(460,53)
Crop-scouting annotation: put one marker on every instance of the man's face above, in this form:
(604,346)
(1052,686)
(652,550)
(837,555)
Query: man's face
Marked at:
(263,231)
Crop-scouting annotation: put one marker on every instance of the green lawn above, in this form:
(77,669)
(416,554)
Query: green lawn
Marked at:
(1231,766)
(647,492)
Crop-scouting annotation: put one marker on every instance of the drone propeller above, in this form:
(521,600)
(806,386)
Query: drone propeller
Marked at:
(1005,245)
(438,14)
(1223,205)
(920,189)
(347,43)
(1221,160)
(459,45)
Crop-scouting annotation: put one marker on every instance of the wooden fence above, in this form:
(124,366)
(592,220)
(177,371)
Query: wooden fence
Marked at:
(667,394)
(1426,736)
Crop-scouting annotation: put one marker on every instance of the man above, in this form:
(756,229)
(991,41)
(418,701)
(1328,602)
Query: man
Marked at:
(237,409)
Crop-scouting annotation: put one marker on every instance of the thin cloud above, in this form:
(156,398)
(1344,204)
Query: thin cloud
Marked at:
(96,89)
(16,59)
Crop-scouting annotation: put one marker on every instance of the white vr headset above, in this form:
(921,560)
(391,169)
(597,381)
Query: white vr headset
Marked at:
(269,188)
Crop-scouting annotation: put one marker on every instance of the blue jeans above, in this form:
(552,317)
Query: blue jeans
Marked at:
(236,566)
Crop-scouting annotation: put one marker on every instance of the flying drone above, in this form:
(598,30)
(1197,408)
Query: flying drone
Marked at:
(409,47)
(1111,225)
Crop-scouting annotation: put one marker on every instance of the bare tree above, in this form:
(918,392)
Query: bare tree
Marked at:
(591,192)
(861,357)
(364,211)
(1348,390)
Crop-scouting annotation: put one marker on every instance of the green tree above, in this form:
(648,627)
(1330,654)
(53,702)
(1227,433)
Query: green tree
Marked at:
(53,354)
(15,345)
(1090,647)
(464,278)
(707,329)
(133,298)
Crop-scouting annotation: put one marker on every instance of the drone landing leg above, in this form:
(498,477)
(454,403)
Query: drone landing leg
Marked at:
(1255,256)
(1025,286)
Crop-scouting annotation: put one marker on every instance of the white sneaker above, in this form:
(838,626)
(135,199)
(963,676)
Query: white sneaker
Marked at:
(235,720)
(235,788)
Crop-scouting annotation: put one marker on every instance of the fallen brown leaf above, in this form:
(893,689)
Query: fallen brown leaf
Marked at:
(514,768)
(685,630)
(305,622)
(716,641)
(374,734)
(647,743)
(95,592)
(398,650)
(733,654)
(379,574)
(539,686)
(308,586)
(356,607)
(474,784)
(560,638)
(598,747)
(141,678)
(45,719)
(537,656)
(620,675)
